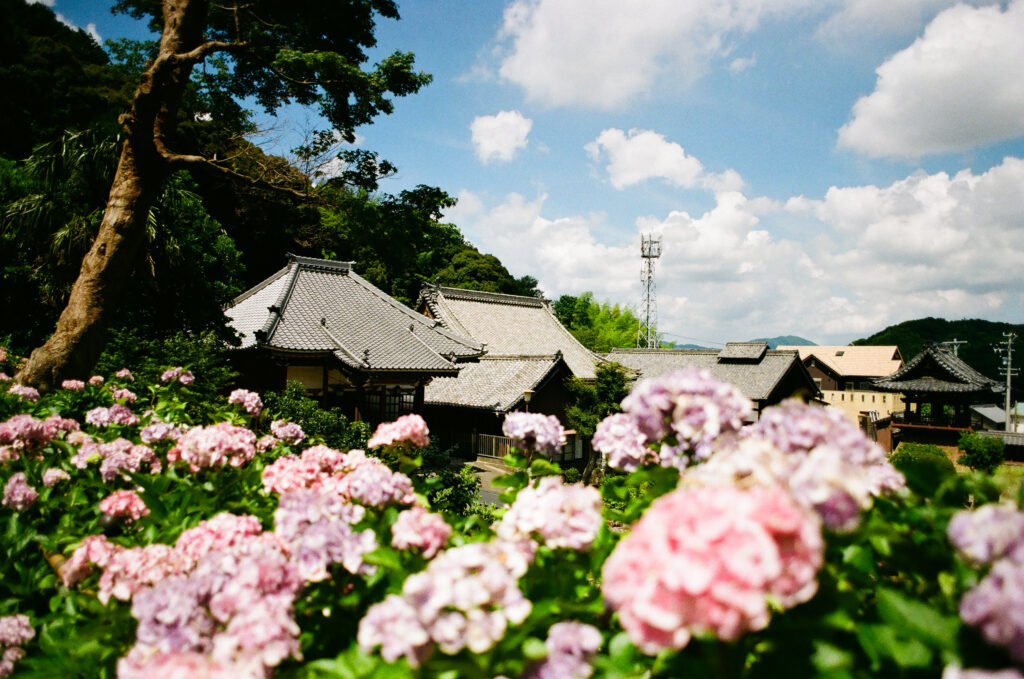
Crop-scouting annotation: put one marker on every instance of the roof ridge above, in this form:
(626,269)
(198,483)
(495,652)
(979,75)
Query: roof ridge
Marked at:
(323,326)
(431,323)
(497,297)
(277,308)
(259,286)
(430,348)
(314,263)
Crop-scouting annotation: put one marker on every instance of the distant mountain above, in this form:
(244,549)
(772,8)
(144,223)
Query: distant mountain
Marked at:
(786,341)
(673,345)
(980,336)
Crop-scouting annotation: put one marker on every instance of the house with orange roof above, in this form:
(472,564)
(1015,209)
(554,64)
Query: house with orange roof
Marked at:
(844,375)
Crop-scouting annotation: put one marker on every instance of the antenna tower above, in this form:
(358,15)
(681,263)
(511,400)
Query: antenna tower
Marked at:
(647,336)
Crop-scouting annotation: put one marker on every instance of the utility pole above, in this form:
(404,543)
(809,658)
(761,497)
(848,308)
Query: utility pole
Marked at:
(647,333)
(1008,369)
(955,343)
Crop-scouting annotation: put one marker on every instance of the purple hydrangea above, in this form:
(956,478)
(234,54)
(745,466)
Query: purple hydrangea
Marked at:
(289,432)
(27,393)
(535,432)
(622,443)
(692,406)
(317,527)
(988,533)
(18,495)
(996,607)
(562,516)
(249,400)
(571,646)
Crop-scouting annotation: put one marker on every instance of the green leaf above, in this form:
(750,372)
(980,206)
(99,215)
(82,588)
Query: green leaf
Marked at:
(917,619)
(883,641)
(541,467)
(829,658)
(515,480)
(534,649)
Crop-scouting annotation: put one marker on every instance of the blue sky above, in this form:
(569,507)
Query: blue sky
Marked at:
(816,167)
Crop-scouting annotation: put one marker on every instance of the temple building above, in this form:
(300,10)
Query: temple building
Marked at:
(349,343)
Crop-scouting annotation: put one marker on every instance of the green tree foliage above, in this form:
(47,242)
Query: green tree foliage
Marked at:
(473,270)
(925,466)
(983,453)
(981,336)
(53,78)
(599,326)
(594,401)
(329,426)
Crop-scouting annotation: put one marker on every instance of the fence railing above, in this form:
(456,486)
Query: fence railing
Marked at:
(488,445)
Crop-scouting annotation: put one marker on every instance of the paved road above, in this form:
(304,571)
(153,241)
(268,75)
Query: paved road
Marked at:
(486,470)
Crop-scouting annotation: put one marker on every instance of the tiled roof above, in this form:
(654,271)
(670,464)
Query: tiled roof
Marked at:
(509,325)
(756,380)
(743,351)
(493,383)
(324,307)
(854,361)
(937,370)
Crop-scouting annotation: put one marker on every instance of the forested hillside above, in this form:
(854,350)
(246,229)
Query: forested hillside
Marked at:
(981,338)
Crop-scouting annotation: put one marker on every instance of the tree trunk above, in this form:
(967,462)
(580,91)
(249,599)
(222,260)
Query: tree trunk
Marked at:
(78,341)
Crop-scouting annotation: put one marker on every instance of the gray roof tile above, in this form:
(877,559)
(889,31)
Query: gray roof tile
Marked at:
(755,380)
(320,306)
(937,370)
(493,383)
(509,325)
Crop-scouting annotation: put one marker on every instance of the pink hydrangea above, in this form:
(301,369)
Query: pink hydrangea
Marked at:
(96,380)
(125,374)
(249,400)
(117,414)
(4,377)
(571,646)
(129,570)
(159,431)
(27,393)
(93,550)
(124,395)
(18,494)
(15,632)
(220,532)
(72,385)
(124,503)
(375,485)
(53,476)
(407,428)
(619,439)
(416,527)
(215,446)
(466,598)
(290,472)
(266,442)
(181,665)
(706,559)
(126,458)
(178,374)
(560,515)
(289,432)
(533,431)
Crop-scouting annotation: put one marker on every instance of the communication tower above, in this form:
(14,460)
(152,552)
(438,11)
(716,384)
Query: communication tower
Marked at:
(647,336)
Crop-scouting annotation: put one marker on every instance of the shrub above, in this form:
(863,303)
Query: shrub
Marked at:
(572,475)
(983,453)
(925,465)
(329,426)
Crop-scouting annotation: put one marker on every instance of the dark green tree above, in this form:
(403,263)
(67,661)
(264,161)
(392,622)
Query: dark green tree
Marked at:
(599,326)
(594,401)
(473,270)
(304,51)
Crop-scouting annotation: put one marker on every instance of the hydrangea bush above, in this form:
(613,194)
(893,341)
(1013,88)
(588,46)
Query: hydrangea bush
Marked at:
(139,541)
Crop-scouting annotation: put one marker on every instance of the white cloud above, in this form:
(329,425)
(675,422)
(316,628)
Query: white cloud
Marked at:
(929,244)
(90,27)
(48,3)
(857,19)
(639,155)
(741,64)
(500,136)
(605,53)
(956,88)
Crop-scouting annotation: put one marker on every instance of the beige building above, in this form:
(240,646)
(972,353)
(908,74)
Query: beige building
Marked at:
(844,374)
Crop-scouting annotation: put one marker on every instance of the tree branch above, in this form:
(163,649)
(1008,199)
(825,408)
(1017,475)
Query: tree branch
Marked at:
(189,161)
(199,53)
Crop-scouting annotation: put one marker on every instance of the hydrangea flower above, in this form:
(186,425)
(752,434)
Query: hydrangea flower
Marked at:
(125,374)
(692,406)
(124,503)
(417,528)
(27,393)
(707,559)
(466,598)
(619,439)
(222,531)
(53,476)
(93,550)
(159,431)
(129,570)
(127,459)
(289,432)
(533,431)
(571,645)
(18,494)
(994,606)
(560,515)
(72,385)
(96,380)
(249,400)
(178,374)
(317,527)
(234,609)
(407,428)
(988,533)
(214,446)
(15,632)
(117,414)
(124,395)
(375,485)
